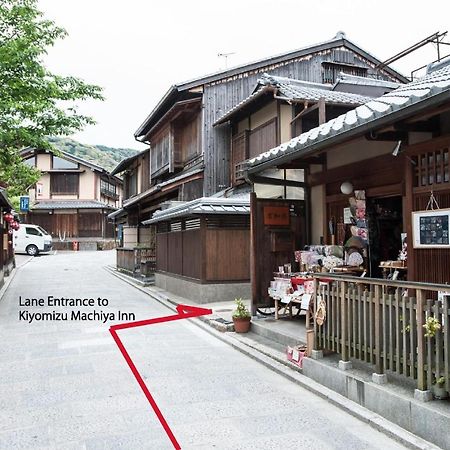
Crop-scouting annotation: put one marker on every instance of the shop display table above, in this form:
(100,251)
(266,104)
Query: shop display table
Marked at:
(295,291)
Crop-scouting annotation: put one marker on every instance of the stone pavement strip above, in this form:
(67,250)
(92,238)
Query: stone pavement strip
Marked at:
(65,385)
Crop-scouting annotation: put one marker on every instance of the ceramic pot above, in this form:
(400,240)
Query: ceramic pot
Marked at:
(241,325)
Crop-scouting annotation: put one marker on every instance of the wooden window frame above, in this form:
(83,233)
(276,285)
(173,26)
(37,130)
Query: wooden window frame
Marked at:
(67,192)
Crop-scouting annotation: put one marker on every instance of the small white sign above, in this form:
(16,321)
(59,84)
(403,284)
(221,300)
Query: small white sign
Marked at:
(306,299)
(347,216)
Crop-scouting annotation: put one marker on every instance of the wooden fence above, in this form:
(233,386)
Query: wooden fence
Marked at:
(136,261)
(384,322)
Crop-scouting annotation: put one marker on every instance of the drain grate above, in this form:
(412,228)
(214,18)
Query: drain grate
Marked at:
(223,310)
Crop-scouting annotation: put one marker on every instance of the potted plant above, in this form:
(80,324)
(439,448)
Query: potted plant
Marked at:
(432,325)
(241,317)
(439,391)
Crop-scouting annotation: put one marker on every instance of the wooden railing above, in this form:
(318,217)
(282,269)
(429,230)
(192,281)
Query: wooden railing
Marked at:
(383,323)
(136,261)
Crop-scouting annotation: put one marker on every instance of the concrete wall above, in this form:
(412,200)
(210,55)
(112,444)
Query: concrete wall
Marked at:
(430,422)
(202,293)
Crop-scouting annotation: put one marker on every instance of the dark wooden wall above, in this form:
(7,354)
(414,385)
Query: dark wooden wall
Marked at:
(430,170)
(208,253)
(83,224)
(221,96)
(180,253)
(227,255)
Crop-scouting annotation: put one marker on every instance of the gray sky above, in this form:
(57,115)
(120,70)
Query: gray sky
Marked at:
(137,49)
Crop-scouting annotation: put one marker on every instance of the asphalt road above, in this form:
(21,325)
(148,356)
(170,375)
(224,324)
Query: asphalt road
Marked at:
(65,385)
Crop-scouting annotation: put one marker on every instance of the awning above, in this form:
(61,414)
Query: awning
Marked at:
(69,204)
(203,206)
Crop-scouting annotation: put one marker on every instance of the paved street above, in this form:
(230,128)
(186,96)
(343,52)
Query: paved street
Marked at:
(65,385)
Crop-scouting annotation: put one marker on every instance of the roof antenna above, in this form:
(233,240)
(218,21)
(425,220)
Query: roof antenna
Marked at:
(225,56)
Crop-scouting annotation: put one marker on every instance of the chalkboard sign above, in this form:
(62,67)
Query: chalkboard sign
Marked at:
(431,228)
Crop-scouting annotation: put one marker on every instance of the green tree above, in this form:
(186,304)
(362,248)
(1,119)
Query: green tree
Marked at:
(34,103)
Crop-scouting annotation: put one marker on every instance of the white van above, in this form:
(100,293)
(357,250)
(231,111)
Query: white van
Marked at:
(31,239)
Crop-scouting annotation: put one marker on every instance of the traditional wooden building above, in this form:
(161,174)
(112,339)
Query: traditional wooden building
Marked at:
(6,246)
(189,158)
(73,197)
(377,175)
(395,149)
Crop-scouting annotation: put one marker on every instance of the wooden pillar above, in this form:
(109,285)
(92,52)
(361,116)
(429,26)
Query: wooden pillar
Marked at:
(307,198)
(254,279)
(322,111)
(344,333)
(407,220)
(377,325)
(420,302)
(103,218)
(203,260)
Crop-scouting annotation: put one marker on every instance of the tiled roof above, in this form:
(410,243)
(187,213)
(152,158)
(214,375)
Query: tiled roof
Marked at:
(345,78)
(70,204)
(123,165)
(292,89)
(301,90)
(340,40)
(401,102)
(117,214)
(205,205)
(157,187)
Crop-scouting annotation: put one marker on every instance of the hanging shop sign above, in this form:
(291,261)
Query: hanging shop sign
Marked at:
(276,215)
(431,228)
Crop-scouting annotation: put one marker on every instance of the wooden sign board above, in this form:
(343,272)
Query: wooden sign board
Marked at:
(276,215)
(431,229)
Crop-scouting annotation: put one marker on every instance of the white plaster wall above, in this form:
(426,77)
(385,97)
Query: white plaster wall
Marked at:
(43,161)
(357,150)
(243,125)
(88,186)
(263,115)
(285,122)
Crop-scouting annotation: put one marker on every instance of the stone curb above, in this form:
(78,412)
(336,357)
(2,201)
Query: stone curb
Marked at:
(11,277)
(274,362)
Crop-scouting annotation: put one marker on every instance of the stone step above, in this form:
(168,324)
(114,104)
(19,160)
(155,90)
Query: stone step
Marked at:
(281,337)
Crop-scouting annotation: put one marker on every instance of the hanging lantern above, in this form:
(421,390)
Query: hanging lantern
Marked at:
(8,217)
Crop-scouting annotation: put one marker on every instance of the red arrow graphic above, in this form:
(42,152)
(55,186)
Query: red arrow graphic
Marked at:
(184,312)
